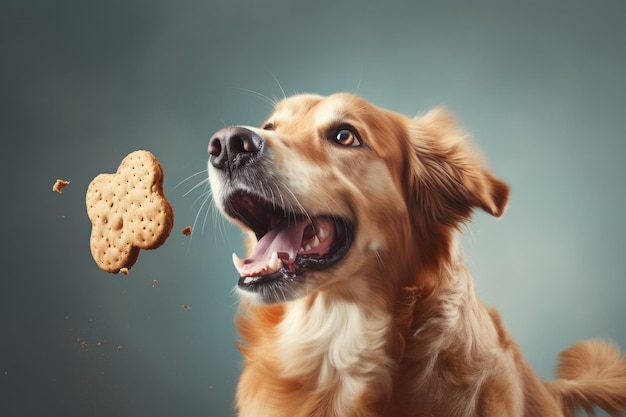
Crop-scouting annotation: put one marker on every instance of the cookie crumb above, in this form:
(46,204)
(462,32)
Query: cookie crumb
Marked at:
(59,185)
(124,271)
(186,231)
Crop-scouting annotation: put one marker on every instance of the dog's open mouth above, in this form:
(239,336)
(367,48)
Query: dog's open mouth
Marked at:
(288,244)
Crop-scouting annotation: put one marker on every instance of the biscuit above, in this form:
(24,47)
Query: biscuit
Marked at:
(128,212)
(59,185)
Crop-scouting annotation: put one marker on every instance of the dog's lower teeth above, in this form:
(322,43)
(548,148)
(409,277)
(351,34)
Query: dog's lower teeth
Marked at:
(250,280)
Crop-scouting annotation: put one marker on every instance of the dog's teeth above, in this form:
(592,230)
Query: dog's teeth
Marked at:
(315,243)
(275,263)
(307,247)
(322,233)
(237,262)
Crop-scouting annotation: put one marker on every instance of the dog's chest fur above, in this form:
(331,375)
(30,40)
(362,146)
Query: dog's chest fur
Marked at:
(334,352)
(334,357)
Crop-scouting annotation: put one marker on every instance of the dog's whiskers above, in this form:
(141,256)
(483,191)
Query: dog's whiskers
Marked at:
(263,97)
(204,182)
(204,171)
(279,86)
(297,202)
(206,205)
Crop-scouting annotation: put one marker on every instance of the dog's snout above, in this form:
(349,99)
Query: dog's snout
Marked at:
(233,147)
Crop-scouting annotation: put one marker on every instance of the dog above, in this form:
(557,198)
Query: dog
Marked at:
(355,299)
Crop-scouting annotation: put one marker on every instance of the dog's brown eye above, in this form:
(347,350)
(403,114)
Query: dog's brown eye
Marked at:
(346,137)
(268,126)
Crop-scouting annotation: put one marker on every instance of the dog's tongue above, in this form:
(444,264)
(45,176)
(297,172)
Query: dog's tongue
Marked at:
(279,246)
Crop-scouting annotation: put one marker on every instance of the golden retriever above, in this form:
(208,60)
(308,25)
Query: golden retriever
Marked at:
(355,299)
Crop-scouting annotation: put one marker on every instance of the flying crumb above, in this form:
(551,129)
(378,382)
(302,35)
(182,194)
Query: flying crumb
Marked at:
(186,307)
(124,271)
(60,185)
(154,282)
(186,231)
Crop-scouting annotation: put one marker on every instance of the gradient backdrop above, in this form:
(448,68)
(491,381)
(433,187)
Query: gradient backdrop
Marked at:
(539,85)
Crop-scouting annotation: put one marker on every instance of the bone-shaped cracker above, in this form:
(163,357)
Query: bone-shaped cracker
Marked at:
(128,212)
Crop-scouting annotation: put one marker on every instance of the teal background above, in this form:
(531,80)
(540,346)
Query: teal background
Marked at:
(539,85)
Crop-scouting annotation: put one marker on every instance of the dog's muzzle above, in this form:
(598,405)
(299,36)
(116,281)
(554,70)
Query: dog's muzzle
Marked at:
(290,242)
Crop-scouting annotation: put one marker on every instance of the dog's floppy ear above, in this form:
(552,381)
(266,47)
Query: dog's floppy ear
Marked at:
(447,174)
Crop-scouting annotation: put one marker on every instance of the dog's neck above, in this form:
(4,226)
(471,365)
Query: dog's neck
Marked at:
(338,343)
(334,347)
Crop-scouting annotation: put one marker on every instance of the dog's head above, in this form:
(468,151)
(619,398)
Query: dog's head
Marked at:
(333,190)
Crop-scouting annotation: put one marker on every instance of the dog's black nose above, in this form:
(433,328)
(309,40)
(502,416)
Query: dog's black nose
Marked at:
(234,147)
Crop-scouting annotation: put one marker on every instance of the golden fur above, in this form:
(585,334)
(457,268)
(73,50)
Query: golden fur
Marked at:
(395,328)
